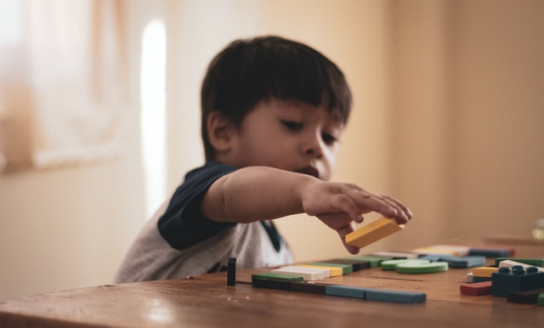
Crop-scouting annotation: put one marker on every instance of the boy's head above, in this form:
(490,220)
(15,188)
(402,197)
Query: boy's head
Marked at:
(286,77)
(250,71)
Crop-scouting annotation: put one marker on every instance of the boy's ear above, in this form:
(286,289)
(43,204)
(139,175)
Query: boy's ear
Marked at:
(220,131)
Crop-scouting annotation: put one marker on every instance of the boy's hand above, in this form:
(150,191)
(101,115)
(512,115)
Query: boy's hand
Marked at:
(338,204)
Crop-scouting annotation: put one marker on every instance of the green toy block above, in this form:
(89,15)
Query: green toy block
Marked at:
(540,299)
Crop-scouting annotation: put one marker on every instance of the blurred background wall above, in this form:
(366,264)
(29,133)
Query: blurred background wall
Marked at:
(447,117)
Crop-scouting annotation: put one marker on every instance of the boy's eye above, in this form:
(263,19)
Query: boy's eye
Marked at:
(329,139)
(294,126)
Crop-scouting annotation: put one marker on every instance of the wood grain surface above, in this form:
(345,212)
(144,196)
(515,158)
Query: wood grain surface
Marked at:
(207,301)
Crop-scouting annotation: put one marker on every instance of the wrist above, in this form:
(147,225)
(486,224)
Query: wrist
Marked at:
(305,186)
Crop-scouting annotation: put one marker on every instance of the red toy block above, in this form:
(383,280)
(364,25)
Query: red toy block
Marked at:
(475,289)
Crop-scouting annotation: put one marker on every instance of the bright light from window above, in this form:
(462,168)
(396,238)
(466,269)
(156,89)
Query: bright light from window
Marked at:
(152,93)
(10,22)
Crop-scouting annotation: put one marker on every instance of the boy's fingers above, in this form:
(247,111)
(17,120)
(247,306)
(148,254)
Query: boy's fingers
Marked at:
(405,211)
(385,205)
(342,232)
(370,202)
(348,206)
(335,220)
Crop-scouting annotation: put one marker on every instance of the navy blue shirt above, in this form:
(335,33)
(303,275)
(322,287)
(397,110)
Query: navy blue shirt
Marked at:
(183,224)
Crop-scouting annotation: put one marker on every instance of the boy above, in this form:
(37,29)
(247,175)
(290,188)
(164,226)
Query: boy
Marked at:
(273,111)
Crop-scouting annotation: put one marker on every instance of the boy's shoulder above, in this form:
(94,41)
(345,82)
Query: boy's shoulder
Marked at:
(209,168)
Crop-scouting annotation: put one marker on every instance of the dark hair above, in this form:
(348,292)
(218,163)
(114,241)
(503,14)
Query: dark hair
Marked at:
(251,70)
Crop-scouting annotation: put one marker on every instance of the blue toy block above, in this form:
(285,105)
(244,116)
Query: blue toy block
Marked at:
(345,291)
(456,261)
(308,287)
(433,257)
(490,252)
(395,296)
(465,261)
(480,279)
(507,281)
(370,294)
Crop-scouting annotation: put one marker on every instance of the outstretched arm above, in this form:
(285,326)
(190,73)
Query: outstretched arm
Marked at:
(257,193)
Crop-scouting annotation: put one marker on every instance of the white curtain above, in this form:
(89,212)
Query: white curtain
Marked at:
(63,82)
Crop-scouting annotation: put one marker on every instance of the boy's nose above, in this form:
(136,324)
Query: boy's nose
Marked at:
(314,148)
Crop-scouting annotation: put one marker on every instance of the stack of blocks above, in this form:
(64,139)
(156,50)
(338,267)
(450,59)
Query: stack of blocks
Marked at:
(507,281)
(300,278)
(518,280)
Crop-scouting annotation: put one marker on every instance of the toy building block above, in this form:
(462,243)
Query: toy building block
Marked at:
(325,272)
(357,265)
(308,287)
(525,297)
(436,250)
(274,280)
(540,299)
(484,271)
(397,255)
(517,279)
(346,268)
(231,272)
(305,272)
(271,283)
(481,279)
(491,252)
(276,276)
(457,261)
(418,268)
(345,291)
(525,263)
(372,232)
(470,278)
(334,271)
(444,249)
(294,283)
(395,296)
(465,261)
(511,264)
(433,257)
(392,264)
(371,294)
(373,260)
(476,289)
(414,266)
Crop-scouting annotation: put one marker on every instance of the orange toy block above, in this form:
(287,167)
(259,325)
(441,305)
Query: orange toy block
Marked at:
(484,271)
(373,232)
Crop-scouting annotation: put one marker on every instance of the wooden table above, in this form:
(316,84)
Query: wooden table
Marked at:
(206,301)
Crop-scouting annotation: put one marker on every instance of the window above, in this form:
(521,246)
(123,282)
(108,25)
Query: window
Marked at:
(153,127)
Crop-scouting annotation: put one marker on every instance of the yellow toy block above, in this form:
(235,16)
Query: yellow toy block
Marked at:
(335,271)
(484,271)
(372,232)
(436,250)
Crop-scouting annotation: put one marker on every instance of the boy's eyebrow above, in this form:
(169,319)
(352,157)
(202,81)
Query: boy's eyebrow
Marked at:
(338,119)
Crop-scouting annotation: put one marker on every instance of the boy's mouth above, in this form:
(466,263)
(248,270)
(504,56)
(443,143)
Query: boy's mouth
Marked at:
(309,171)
